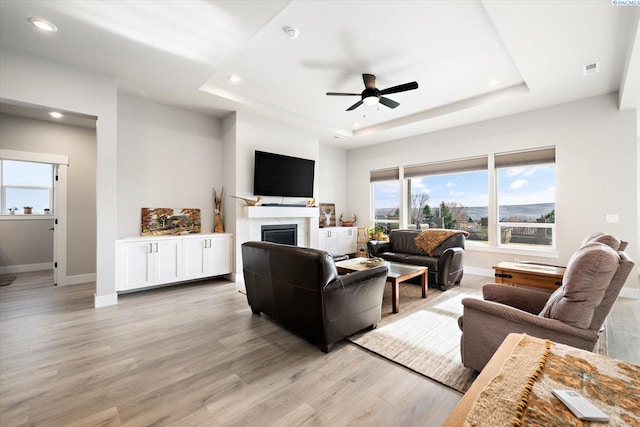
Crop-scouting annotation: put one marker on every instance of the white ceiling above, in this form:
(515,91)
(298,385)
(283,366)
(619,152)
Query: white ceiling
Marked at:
(182,52)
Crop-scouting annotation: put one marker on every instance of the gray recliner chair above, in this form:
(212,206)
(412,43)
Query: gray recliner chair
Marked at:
(571,315)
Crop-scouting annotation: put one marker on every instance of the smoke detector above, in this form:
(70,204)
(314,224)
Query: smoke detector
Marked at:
(592,68)
(291,32)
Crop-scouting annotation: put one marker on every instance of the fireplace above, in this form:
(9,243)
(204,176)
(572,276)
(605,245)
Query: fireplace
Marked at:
(280,233)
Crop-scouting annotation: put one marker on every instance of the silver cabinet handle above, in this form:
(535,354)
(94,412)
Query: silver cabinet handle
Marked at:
(150,248)
(156,247)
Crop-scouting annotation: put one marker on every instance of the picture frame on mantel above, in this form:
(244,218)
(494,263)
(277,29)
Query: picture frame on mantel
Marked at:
(327,217)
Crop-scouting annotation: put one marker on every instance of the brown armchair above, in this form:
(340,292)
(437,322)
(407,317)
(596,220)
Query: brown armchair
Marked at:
(572,315)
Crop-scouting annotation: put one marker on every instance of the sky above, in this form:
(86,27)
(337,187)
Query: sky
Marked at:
(516,186)
(26,174)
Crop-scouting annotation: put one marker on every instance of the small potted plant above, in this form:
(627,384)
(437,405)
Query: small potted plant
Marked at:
(27,210)
(47,211)
(13,210)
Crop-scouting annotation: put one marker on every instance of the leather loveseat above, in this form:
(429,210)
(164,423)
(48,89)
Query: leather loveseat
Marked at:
(445,261)
(300,288)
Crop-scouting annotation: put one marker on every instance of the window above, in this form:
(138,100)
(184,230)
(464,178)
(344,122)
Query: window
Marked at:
(456,194)
(386,199)
(450,195)
(526,198)
(26,184)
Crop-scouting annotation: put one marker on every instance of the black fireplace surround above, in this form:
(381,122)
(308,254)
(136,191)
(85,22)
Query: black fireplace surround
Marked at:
(286,234)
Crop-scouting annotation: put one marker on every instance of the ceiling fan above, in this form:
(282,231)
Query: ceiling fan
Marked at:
(371,95)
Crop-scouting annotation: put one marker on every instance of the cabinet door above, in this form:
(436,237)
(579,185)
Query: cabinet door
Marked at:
(333,242)
(322,240)
(168,261)
(136,265)
(220,255)
(351,240)
(196,259)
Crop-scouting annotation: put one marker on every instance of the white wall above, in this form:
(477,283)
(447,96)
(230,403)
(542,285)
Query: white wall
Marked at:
(596,167)
(26,244)
(167,158)
(79,144)
(332,177)
(28,79)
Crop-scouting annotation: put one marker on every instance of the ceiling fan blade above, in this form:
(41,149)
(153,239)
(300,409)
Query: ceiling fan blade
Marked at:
(388,102)
(369,81)
(399,88)
(354,106)
(342,94)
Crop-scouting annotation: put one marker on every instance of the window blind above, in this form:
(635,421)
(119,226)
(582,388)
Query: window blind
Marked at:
(529,157)
(453,166)
(384,175)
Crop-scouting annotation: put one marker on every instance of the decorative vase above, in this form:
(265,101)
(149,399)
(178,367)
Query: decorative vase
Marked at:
(218,225)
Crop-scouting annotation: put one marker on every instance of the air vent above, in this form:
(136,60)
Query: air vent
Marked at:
(592,68)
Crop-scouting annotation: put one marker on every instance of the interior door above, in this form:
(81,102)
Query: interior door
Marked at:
(53,226)
(60,224)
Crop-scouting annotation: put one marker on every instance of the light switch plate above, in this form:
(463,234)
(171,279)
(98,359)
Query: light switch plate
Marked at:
(612,218)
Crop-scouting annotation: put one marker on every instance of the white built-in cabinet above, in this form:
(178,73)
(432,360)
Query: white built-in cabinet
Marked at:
(144,262)
(338,240)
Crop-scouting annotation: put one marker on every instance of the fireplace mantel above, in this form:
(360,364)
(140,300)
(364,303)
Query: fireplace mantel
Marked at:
(280,212)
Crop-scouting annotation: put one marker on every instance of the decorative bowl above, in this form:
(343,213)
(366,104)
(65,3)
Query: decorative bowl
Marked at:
(372,262)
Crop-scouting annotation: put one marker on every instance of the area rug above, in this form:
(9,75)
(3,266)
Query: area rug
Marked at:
(424,336)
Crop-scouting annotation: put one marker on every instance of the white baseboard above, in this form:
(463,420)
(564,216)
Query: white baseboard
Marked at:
(477,271)
(77,279)
(24,268)
(105,300)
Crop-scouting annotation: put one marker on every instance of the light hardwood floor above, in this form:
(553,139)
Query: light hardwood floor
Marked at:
(195,355)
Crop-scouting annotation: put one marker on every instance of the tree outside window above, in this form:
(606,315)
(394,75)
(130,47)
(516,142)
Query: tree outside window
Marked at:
(452,201)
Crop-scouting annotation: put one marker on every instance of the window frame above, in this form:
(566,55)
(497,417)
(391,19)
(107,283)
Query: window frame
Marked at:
(532,157)
(4,208)
(57,160)
(494,162)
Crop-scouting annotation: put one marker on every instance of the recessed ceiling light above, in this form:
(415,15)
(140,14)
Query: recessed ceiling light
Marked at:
(234,78)
(56,115)
(494,82)
(291,32)
(43,25)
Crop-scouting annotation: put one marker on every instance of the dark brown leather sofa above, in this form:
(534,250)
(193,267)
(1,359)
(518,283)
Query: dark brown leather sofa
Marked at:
(301,289)
(445,264)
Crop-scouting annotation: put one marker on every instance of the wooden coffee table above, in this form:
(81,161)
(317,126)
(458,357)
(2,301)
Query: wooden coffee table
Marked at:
(397,274)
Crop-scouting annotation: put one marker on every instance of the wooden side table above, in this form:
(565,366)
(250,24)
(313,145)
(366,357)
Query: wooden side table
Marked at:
(534,275)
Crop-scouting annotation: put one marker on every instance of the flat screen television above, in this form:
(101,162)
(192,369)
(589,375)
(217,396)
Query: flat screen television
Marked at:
(279,175)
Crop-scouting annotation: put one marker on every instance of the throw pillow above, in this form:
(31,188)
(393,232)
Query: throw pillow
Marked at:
(588,275)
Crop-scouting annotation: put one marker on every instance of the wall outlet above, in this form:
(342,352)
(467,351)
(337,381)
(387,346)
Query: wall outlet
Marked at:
(612,218)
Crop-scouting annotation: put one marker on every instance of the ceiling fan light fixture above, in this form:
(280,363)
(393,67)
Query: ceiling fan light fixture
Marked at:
(371,100)
(43,25)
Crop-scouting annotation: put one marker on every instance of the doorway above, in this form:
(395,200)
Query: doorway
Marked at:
(73,212)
